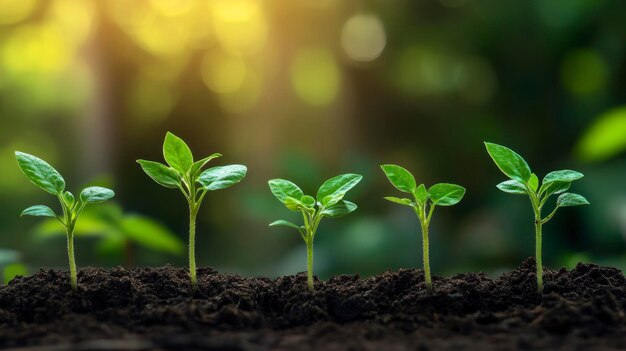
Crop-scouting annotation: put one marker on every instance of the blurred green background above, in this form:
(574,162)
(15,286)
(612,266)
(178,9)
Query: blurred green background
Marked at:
(305,90)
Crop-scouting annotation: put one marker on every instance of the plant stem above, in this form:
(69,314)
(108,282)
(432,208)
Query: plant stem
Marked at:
(538,239)
(426,257)
(70,254)
(192,246)
(309,261)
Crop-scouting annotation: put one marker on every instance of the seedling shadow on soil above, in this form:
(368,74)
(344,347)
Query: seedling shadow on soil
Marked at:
(151,308)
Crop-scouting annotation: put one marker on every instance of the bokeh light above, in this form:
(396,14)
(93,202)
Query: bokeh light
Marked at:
(315,76)
(363,37)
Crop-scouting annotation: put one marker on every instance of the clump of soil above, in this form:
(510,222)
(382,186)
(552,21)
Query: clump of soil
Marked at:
(155,308)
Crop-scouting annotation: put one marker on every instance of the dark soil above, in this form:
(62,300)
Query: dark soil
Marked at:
(154,308)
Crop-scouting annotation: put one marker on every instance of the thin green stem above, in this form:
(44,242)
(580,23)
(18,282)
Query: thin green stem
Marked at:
(426,257)
(538,240)
(193,212)
(309,261)
(70,254)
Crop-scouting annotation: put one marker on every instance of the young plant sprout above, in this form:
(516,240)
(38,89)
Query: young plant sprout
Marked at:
(329,202)
(185,174)
(524,182)
(423,203)
(40,173)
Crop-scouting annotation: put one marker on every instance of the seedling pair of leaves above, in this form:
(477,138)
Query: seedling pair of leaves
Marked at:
(44,176)
(524,182)
(424,201)
(328,202)
(185,174)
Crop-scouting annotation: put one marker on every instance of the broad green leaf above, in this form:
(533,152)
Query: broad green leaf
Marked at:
(197,166)
(283,189)
(308,201)
(342,208)
(283,223)
(39,211)
(13,270)
(571,199)
(177,153)
(403,201)
(509,162)
(444,194)
(69,199)
(421,194)
(150,234)
(293,203)
(161,174)
(337,186)
(554,188)
(332,199)
(40,173)
(95,194)
(562,176)
(533,182)
(512,187)
(222,177)
(402,179)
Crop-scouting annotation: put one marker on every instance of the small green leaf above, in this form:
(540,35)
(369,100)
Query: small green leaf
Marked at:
(403,201)
(69,199)
(340,209)
(332,199)
(571,199)
(512,187)
(161,174)
(96,194)
(562,176)
(337,186)
(222,177)
(308,201)
(533,182)
(197,166)
(556,187)
(399,177)
(40,173)
(39,211)
(293,203)
(283,223)
(509,162)
(177,153)
(283,189)
(444,194)
(421,194)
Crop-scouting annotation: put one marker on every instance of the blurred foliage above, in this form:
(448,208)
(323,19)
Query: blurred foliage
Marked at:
(305,89)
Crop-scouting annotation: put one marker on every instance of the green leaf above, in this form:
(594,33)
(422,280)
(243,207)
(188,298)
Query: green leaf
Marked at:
(509,162)
(562,176)
(13,270)
(222,177)
(342,208)
(337,187)
(554,188)
(604,138)
(95,194)
(283,223)
(444,194)
(403,201)
(39,211)
(69,199)
(161,174)
(40,173)
(402,179)
(283,189)
(533,182)
(293,203)
(571,199)
(512,187)
(197,166)
(177,153)
(150,234)
(421,194)
(308,201)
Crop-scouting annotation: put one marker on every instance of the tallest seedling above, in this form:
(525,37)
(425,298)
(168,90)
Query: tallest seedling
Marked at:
(524,182)
(185,174)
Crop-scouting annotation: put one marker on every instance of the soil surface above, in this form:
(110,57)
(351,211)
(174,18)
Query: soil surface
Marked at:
(155,308)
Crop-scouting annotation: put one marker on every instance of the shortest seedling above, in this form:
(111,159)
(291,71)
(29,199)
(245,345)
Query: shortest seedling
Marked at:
(423,203)
(40,173)
(329,202)
(524,182)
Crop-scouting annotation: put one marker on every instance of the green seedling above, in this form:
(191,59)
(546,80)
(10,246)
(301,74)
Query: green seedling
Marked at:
(185,174)
(423,203)
(329,202)
(524,182)
(40,173)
